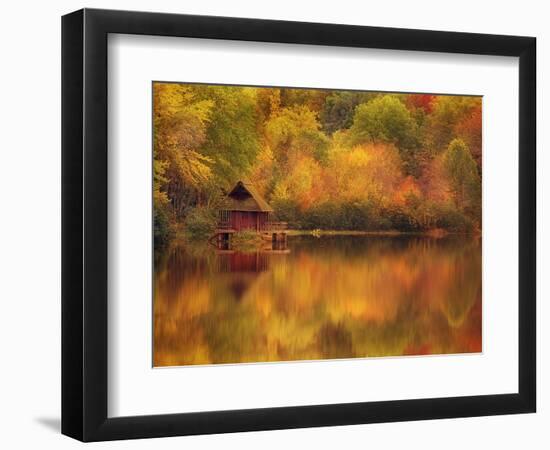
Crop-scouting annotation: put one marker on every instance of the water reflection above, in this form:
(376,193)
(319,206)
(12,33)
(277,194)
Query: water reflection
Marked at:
(329,297)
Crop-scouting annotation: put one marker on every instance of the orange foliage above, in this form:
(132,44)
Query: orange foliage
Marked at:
(469,129)
(406,189)
(435,184)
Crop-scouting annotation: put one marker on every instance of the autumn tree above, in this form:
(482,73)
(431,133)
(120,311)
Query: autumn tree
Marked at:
(420,101)
(339,108)
(268,103)
(448,111)
(321,158)
(463,177)
(313,99)
(179,120)
(231,140)
(295,131)
(469,130)
(366,172)
(386,119)
(302,187)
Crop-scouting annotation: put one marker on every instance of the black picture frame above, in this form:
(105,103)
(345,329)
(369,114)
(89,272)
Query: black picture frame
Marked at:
(84,224)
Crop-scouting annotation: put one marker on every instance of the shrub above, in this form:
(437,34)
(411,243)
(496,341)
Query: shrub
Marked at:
(200,222)
(324,216)
(287,211)
(162,231)
(451,219)
(401,219)
(246,240)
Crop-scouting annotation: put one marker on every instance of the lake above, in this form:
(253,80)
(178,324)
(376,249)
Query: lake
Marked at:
(323,298)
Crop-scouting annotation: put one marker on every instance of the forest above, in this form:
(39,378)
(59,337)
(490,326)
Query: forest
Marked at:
(323,159)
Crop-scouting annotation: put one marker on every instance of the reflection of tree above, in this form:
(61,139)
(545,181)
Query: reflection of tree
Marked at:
(335,341)
(330,298)
(463,290)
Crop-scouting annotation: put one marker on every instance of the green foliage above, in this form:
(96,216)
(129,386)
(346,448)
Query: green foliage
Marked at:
(367,216)
(384,119)
(286,210)
(448,112)
(338,111)
(246,240)
(231,137)
(200,222)
(296,132)
(360,216)
(339,108)
(462,173)
(162,231)
(451,219)
(387,119)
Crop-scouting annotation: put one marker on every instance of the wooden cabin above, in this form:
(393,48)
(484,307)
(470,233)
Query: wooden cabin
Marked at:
(245,209)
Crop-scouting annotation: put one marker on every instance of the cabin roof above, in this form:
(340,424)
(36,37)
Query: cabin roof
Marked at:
(244,197)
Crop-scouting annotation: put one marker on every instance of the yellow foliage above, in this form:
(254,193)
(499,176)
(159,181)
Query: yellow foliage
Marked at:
(364,172)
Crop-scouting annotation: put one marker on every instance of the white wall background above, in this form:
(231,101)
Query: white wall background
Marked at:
(30,226)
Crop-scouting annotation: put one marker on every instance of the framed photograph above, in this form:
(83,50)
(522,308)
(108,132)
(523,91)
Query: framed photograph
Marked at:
(273,225)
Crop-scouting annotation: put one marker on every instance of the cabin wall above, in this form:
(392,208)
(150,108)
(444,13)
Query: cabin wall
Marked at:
(247,220)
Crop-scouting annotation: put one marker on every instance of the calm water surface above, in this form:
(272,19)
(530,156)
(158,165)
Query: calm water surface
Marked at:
(325,298)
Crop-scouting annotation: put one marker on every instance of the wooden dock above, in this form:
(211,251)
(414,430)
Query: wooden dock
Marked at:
(275,232)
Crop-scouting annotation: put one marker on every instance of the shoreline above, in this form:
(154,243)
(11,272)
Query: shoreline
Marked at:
(180,239)
(430,233)
(435,233)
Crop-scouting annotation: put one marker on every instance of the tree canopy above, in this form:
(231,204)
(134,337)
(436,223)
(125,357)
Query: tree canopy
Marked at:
(322,158)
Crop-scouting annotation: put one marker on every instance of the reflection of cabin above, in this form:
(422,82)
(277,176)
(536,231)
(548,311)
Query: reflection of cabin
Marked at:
(243,262)
(245,209)
(243,269)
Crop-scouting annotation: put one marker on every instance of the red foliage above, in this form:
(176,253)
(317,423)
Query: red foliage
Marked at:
(405,189)
(469,129)
(423,101)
